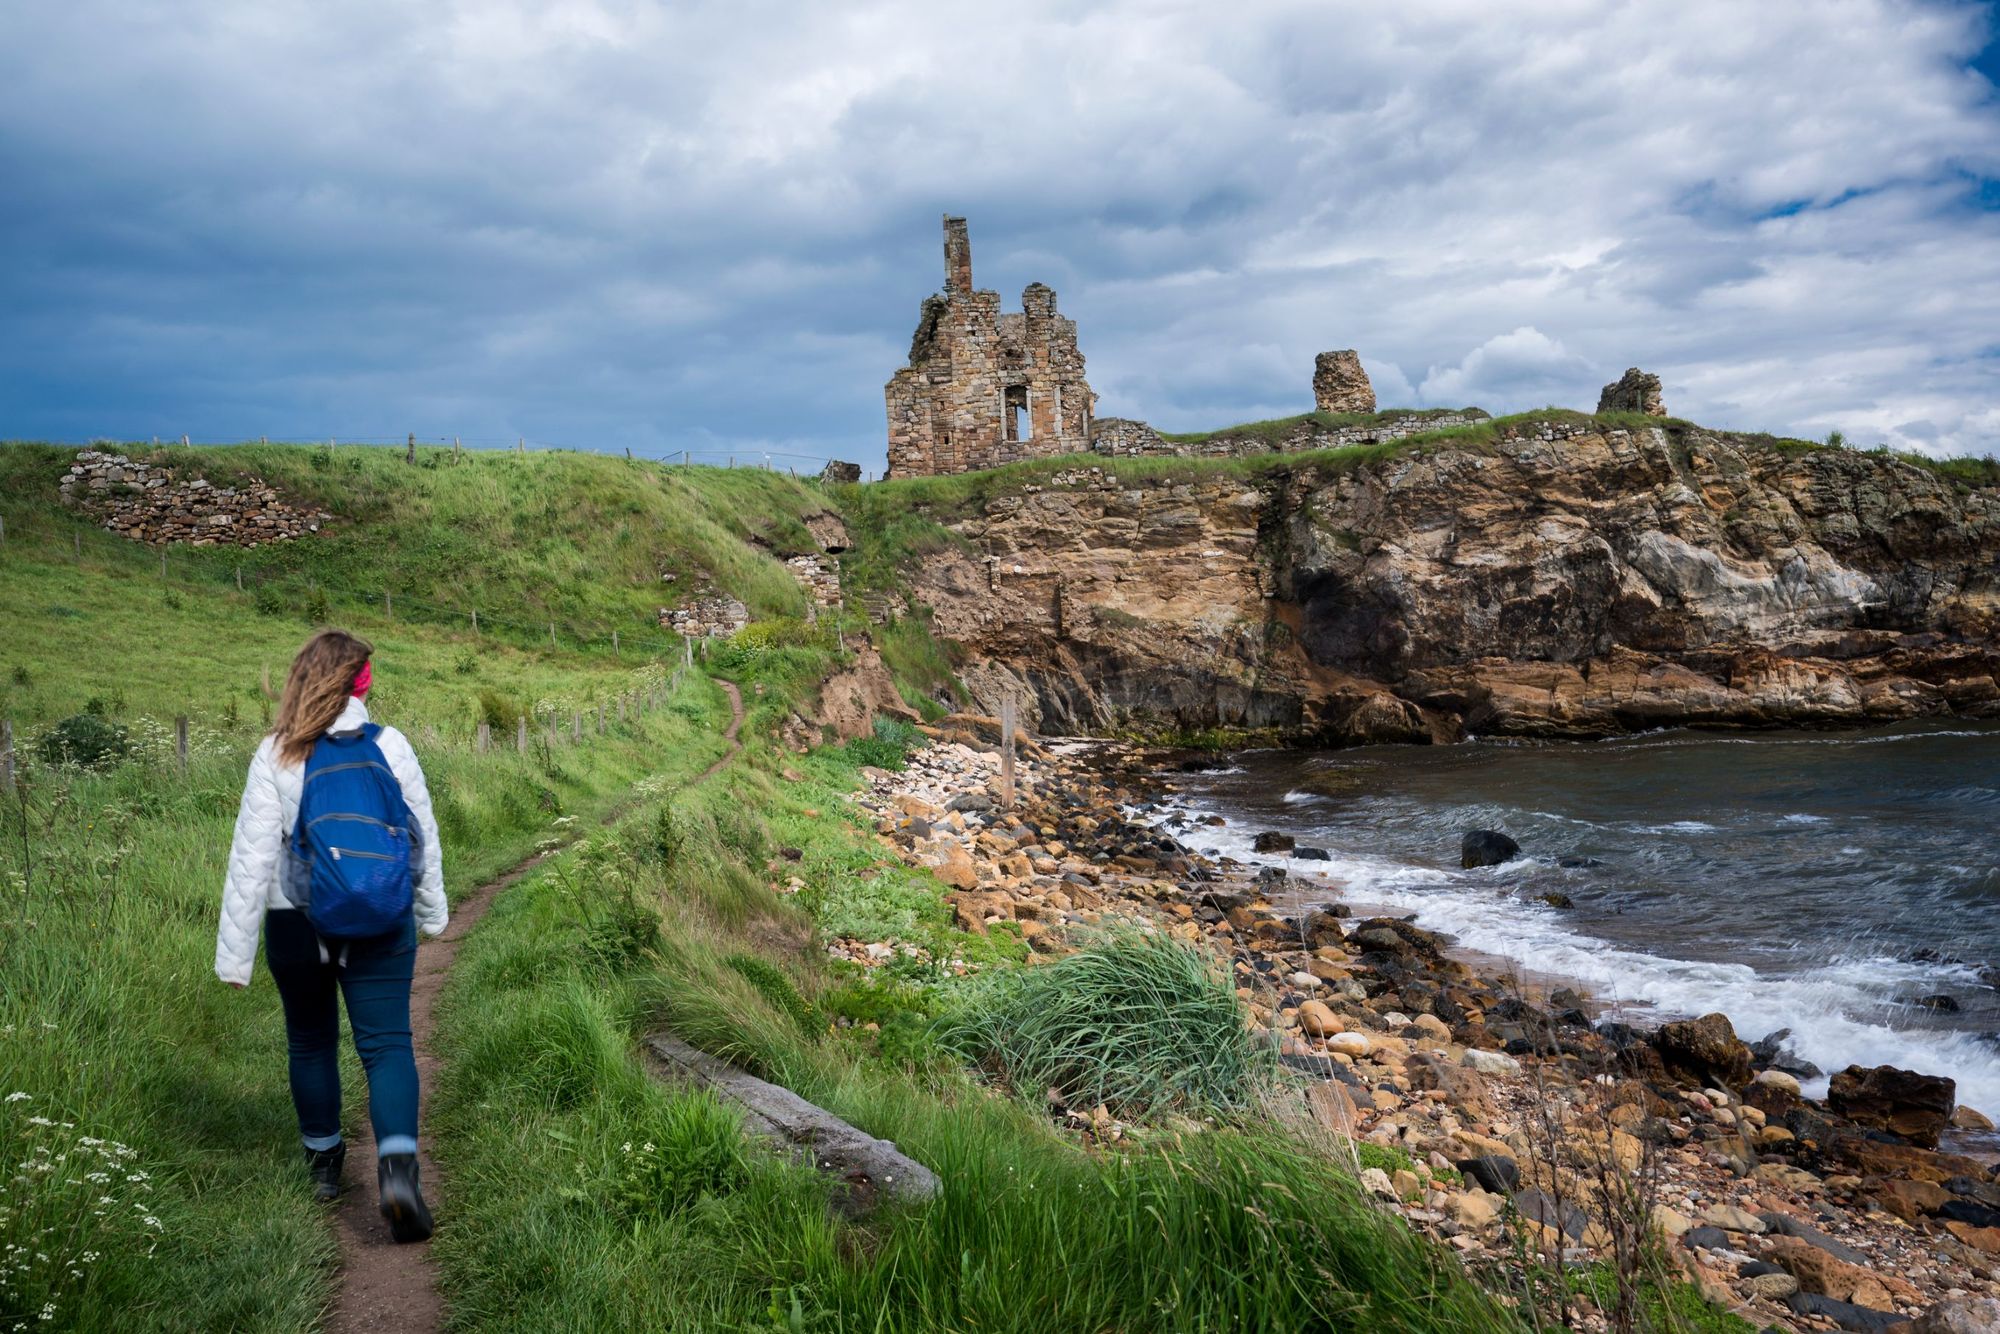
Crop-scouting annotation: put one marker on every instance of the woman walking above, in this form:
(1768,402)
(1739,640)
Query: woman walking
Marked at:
(336,859)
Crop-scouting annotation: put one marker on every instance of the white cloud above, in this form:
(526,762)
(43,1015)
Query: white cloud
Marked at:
(617,221)
(1525,365)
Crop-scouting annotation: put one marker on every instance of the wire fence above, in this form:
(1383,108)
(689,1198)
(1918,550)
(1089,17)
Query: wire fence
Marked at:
(543,727)
(796,463)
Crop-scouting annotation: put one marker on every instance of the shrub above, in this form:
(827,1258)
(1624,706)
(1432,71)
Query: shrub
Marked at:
(86,740)
(499,712)
(268,600)
(315,609)
(889,748)
(771,983)
(1139,1023)
(467,662)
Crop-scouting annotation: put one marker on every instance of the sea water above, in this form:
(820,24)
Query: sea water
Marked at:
(1824,883)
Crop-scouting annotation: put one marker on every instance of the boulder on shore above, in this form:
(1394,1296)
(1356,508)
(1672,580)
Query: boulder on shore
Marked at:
(1706,1049)
(1902,1102)
(1486,847)
(1272,841)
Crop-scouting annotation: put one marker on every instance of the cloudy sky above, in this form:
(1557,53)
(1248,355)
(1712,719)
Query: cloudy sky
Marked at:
(611,224)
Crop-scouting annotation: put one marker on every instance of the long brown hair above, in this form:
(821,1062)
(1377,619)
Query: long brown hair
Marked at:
(316,690)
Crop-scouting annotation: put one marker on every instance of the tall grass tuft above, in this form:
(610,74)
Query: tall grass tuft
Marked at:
(1139,1023)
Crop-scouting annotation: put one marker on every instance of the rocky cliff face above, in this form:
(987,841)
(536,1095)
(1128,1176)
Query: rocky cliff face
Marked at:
(1562,580)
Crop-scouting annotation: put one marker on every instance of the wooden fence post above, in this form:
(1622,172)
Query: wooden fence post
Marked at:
(163,562)
(576,725)
(181,740)
(410,455)
(614,643)
(1007,752)
(239,576)
(552,634)
(485,737)
(475,620)
(521,734)
(6,755)
(621,710)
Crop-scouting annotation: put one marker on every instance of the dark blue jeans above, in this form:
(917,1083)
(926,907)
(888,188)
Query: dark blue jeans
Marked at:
(376,984)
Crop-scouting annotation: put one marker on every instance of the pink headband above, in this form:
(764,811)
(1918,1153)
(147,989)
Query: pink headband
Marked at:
(362,680)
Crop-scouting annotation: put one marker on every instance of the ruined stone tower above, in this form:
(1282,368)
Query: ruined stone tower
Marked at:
(1634,391)
(1339,383)
(983,388)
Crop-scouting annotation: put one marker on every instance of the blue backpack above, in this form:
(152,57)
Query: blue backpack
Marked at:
(352,847)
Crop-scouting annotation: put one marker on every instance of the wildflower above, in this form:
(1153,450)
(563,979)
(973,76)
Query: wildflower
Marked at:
(17,1095)
(40,1121)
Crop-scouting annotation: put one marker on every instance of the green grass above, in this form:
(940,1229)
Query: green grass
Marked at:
(582,1193)
(1138,1023)
(113,1025)
(542,1093)
(1277,429)
(105,631)
(586,541)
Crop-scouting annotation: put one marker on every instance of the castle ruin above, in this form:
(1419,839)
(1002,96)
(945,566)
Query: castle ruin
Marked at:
(985,388)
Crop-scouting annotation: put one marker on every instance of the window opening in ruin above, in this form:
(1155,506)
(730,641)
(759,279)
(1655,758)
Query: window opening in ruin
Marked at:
(1014,411)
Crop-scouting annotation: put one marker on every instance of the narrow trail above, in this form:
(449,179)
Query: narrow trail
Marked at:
(390,1289)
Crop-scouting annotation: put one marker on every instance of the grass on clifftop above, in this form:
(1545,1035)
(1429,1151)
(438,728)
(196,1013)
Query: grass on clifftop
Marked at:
(1276,429)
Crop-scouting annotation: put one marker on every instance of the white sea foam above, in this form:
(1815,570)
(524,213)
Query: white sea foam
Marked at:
(1803,819)
(1298,798)
(1840,1012)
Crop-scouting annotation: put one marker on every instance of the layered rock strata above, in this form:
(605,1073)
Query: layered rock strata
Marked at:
(1565,578)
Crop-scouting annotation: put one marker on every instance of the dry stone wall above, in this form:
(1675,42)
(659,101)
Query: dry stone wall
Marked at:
(708,618)
(1119,437)
(151,504)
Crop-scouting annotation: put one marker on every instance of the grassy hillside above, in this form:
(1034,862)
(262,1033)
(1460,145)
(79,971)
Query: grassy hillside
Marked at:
(580,1192)
(587,541)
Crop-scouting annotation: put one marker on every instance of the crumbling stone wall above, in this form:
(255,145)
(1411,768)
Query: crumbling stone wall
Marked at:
(1118,437)
(1339,383)
(985,388)
(150,504)
(819,576)
(1634,391)
(707,618)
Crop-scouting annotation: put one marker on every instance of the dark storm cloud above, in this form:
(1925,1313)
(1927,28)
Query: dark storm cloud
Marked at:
(709,226)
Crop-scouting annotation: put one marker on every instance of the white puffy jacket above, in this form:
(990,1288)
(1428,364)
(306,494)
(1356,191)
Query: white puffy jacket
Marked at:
(264,823)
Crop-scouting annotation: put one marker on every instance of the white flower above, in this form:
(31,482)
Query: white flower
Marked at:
(17,1095)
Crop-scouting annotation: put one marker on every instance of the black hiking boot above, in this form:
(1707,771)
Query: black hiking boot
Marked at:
(402,1203)
(325,1165)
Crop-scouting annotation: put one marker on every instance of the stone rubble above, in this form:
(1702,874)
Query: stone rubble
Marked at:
(151,504)
(1512,1112)
(707,618)
(819,576)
